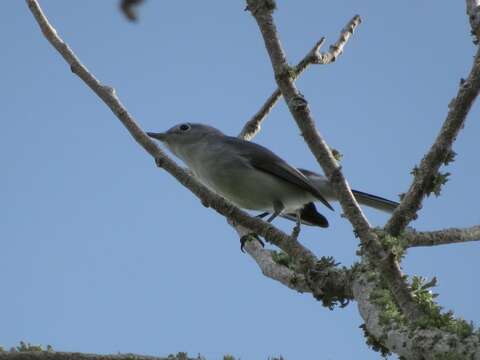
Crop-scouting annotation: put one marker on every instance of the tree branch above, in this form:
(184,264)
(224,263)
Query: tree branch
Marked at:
(337,49)
(448,236)
(439,154)
(314,56)
(410,341)
(328,283)
(262,12)
(269,267)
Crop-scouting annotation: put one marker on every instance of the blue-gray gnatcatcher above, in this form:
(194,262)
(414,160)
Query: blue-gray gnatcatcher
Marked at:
(254,178)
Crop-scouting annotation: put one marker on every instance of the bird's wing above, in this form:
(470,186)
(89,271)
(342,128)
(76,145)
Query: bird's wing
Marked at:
(263,159)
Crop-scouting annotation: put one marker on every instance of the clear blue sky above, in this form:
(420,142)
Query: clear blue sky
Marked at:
(102,252)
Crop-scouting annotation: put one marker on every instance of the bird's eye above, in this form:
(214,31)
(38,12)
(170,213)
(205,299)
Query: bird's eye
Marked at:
(184,127)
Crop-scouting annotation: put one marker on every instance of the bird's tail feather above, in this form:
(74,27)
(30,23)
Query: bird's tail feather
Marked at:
(374,201)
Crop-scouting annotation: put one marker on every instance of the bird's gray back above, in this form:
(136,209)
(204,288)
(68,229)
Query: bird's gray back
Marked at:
(226,165)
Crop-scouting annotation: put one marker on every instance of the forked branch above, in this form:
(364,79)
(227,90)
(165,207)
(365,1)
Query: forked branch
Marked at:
(314,56)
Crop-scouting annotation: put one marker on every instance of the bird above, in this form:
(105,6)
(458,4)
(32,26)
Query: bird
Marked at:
(254,178)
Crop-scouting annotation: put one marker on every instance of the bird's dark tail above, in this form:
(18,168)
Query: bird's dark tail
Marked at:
(309,216)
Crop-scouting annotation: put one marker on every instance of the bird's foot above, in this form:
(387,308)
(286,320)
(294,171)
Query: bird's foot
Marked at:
(262,215)
(249,237)
(295,232)
(296,229)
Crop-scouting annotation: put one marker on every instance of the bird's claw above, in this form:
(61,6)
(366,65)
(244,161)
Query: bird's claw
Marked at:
(248,237)
(159,162)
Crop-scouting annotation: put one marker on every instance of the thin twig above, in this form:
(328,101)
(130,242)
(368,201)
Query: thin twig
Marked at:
(262,11)
(314,56)
(441,237)
(439,153)
(337,49)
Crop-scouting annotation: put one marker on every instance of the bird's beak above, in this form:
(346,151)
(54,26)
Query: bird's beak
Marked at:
(158,136)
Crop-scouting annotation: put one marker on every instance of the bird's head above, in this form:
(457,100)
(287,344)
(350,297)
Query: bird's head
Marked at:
(184,135)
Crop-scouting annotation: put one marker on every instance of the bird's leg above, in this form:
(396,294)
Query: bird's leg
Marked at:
(262,215)
(296,229)
(273,216)
(246,238)
(249,237)
(277,210)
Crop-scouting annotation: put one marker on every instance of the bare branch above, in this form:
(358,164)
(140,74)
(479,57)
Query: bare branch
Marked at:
(337,49)
(269,267)
(439,153)
(223,207)
(253,126)
(441,237)
(262,11)
(314,56)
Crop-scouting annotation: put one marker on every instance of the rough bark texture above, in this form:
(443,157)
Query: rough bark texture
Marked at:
(411,342)
(399,317)
(442,237)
